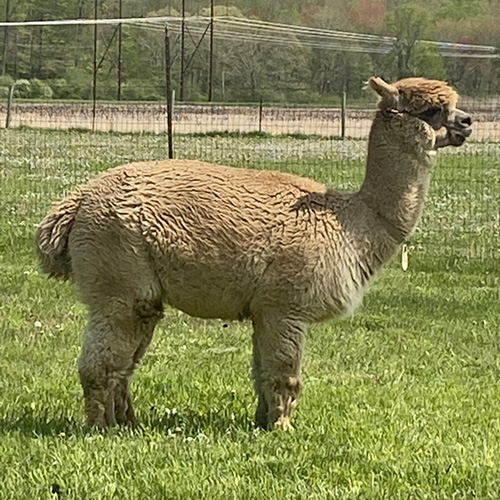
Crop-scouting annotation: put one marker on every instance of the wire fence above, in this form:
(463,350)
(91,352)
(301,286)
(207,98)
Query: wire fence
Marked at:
(51,146)
(50,149)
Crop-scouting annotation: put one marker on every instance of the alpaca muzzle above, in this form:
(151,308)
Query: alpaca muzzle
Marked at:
(455,131)
(462,123)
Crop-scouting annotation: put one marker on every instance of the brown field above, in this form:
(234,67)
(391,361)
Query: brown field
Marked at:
(148,117)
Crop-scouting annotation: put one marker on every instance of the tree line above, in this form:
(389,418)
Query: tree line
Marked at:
(57,61)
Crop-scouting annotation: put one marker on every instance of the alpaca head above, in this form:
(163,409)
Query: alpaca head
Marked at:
(432,101)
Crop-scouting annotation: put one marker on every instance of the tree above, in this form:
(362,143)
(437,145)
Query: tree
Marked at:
(428,62)
(408,22)
(245,68)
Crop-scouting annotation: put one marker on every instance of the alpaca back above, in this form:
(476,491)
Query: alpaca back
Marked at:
(222,240)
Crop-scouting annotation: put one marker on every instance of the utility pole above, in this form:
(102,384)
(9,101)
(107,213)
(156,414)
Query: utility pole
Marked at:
(211,64)
(183,50)
(119,69)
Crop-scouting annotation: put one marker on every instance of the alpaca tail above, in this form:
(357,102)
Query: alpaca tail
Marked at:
(52,235)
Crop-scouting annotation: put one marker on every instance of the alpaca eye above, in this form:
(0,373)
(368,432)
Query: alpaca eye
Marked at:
(430,115)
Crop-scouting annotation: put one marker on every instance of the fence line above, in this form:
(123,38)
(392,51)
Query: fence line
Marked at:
(152,117)
(49,149)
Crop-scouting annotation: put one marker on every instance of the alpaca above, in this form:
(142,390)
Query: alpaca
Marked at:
(231,243)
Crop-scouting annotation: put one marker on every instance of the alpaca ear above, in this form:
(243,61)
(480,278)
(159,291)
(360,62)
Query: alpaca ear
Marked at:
(388,93)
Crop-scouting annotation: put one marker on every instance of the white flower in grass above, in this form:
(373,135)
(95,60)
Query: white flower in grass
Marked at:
(38,324)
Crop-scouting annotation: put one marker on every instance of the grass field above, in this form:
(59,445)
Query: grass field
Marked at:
(400,401)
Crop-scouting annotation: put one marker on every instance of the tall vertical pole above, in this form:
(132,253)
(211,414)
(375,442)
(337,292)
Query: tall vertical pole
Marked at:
(223,85)
(168,91)
(260,114)
(94,81)
(343,111)
(5,38)
(211,69)
(9,105)
(119,69)
(183,50)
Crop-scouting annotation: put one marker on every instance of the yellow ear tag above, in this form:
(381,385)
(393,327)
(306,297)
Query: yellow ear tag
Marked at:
(404,256)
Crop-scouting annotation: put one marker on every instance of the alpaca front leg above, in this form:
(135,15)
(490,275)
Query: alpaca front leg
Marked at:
(278,346)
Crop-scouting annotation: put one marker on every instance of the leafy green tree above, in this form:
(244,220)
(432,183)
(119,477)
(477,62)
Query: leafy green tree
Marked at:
(63,56)
(40,89)
(428,62)
(409,22)
(334,72)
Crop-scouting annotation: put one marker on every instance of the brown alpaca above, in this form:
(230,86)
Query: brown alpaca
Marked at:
(222,242)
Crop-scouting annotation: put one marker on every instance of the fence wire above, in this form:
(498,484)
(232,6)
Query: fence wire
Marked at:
(50,149)
(51,146)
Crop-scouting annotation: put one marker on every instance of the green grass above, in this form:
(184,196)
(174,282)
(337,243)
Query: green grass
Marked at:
(400,401)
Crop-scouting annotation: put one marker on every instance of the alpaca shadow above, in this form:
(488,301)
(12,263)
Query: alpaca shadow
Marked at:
(187,422)
(34,426)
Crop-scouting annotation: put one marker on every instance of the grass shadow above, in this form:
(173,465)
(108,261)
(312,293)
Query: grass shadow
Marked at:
(190,422)
(419,304)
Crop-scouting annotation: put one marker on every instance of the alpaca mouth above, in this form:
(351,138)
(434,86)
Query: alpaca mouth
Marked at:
(461,125)
(457,130)
(464,132)
(458,137)
(452,135)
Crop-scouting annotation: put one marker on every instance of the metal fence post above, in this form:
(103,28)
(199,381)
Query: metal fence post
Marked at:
(9,105)
(260,115)
(168,91)
(343,112)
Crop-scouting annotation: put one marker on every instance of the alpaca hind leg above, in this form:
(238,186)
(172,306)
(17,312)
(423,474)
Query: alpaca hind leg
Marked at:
(123,408)
(112,269)
(280,343)
(147,315)
(107,363)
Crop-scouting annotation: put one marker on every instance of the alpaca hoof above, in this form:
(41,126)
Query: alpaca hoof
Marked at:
(130,421)
(124,409)
(97,414)
(97,422)
(261,415)
(284,424)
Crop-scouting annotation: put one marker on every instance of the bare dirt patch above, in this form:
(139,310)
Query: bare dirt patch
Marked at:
(150,117)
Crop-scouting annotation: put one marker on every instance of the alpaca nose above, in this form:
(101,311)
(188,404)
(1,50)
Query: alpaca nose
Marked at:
(466,121)
(462,123)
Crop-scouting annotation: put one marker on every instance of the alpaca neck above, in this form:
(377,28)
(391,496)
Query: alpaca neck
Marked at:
(400,160)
